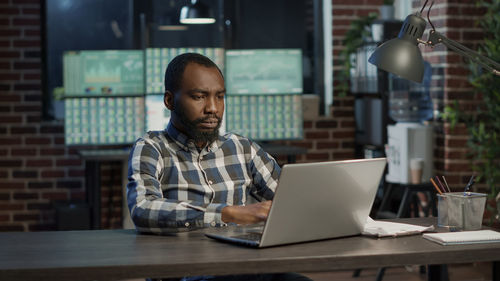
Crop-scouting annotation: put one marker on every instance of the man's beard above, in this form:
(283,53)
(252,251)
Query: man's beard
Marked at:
(192,129)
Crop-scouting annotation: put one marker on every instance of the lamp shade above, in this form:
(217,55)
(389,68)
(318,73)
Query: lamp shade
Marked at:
(401,56)
(196,13)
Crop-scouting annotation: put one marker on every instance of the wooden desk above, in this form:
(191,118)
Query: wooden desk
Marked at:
(122,254)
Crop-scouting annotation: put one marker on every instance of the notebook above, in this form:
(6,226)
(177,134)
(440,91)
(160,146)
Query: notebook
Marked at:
(464,237)
(314,201)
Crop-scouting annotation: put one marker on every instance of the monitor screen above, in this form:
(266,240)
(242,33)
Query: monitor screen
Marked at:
(103,120)
(110,72)
(265,117)
(264,71)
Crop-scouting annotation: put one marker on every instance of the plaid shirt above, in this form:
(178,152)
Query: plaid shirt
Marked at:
(175,187)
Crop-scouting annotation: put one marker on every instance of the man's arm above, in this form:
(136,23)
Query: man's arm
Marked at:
(149,210)
(265,172)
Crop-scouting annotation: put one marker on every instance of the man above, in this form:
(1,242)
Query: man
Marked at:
(188,176)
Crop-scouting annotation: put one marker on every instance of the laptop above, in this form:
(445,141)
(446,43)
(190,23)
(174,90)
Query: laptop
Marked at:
(313,201)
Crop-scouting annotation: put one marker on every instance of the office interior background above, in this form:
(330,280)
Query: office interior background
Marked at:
(39,171)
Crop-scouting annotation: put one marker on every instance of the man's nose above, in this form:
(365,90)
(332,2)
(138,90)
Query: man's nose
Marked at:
(211,105)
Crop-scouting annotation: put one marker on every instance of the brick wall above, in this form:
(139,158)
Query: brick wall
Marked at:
(36,168)
(456,20)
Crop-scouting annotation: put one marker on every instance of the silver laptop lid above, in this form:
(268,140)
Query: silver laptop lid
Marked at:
(322,200)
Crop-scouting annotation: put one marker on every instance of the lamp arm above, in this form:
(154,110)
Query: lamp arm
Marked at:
(489,64)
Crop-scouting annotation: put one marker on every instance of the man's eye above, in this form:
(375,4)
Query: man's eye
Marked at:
(197,97)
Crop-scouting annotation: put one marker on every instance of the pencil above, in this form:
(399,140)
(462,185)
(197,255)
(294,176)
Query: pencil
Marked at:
(436,187)
(447,186)
(440,184)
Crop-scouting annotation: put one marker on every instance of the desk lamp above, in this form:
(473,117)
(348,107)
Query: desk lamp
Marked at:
(196,13)
(401,56)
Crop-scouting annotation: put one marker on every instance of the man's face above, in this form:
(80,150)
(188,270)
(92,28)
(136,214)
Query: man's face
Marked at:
(197,108)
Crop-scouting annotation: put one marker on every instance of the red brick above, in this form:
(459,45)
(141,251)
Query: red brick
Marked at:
(343,155)
(27,108)
(343,12)
(39,206)
(25,195)
(12,185)
(22,130)
(39,163)
(26,22)
(10,163)
(55,195)
(31,11)
(11,207)
(317,135)
(9,141)
(27,87)
(54,129)
(9,11)
(32,76)
(457,167)
(4,218)
(9,98)
(347,124)
(23,151)
(40,185)
(26,217)
(307,124)
(4,65)
(68,162)
(343,135)
(4,196)
(26,65)
(52,174)
(327,145)
(9,54)
(38,141)
(26,2)
(11,119)
(326,124)
(11,227)
(343,113)
(9,76)
(69,184)
(24,174)
(52,151)
(456,143)
(322,156)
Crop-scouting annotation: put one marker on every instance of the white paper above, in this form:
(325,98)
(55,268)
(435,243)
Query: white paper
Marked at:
(392,229)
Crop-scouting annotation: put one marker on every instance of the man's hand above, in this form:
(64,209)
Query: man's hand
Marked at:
(248,214)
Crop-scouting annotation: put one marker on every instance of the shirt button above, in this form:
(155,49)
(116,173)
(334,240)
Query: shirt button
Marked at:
(213,223)
(187,224)
(210,182)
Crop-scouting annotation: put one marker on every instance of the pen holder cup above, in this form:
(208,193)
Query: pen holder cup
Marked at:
(461,212)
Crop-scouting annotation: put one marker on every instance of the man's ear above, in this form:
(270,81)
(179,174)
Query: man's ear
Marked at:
(168,100)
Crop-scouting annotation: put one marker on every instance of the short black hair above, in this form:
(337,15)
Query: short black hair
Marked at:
(176,67)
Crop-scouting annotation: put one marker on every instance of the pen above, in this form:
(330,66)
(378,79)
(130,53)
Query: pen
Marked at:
(469,185)
(436,187)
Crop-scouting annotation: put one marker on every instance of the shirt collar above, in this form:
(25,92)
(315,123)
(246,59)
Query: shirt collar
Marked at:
(186,143)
